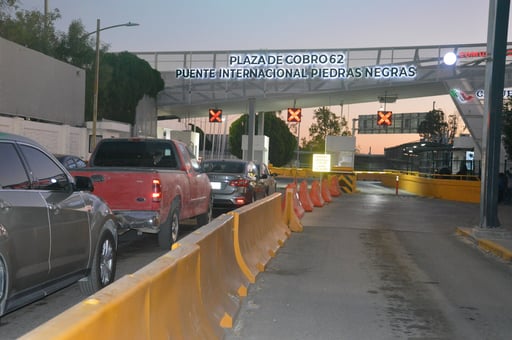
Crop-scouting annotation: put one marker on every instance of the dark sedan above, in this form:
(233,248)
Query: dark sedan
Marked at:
(234,182)
(53,231)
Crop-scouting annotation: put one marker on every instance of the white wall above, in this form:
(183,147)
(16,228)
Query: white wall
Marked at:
(63,139)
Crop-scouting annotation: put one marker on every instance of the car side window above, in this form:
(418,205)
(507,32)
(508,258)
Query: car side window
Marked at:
(47,175)
(12,172)
(74,163)
(189,157)
(80,163)
(265,170)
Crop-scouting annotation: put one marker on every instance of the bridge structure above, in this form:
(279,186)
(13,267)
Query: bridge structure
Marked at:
(251,81)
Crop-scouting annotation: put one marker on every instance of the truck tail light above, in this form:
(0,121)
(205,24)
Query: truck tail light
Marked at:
(156,193)
(240,182)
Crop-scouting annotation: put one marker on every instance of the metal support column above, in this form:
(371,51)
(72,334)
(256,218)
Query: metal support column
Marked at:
(491,139)
(250,132)
(261,123)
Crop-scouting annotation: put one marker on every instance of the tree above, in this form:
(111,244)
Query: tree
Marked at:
(77,47)
(124,80)
(31,29)
(5,4)
(434,128)
(326,124)
(282,142)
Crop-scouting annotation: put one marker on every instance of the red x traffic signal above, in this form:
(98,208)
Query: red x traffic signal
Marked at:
(215,116)
(294,115)
(384,118)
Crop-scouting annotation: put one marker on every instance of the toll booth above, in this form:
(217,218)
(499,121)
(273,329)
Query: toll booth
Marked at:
(260,147)
(190,138)
(342,150)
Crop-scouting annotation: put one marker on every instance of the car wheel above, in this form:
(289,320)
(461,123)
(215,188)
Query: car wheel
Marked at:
(3,285)
(205,218)
(103,270)
(168,233)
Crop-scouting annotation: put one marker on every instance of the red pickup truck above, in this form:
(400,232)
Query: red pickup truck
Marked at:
(150,185)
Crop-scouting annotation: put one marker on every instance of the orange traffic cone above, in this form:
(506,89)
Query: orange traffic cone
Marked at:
(326,195)
(334,188)
(316,195)
(304,196)
(297,205)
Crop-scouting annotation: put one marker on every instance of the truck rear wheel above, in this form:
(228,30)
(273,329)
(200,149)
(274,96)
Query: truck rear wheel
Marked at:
(168,233)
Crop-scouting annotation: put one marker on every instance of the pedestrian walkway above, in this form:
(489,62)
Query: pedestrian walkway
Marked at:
(497,241)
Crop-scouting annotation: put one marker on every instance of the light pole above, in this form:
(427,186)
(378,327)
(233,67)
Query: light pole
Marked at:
(97,74)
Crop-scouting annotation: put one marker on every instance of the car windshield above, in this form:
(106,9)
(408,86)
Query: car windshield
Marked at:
(224,167)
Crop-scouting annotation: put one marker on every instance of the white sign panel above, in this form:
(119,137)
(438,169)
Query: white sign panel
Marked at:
(321,162)
(311,65)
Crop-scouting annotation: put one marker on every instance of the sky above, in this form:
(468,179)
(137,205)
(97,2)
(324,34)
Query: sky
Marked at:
(211,25)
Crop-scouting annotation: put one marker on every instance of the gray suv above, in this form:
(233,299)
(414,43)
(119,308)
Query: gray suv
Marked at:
(53,231)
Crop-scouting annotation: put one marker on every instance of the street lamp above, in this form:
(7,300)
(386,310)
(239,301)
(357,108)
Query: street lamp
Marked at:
(97,74)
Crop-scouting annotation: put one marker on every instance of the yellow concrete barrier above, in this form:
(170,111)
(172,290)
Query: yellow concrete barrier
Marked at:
(102,315)
(442,188)
(259,232)
(290,217)
(191,292)
(177,309)
(222,282)
(160,301)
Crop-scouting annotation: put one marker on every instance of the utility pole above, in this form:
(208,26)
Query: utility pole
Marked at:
(494,83)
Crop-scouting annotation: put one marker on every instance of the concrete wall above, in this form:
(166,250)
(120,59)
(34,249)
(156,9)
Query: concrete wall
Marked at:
(146,118)
(33,85)
(62,139)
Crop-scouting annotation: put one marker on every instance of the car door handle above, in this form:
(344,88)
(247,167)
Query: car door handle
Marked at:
(4,206)
(54,207)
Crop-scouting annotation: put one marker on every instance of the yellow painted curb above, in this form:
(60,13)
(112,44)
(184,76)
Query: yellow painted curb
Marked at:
(496,249)
(486,244)
(464,232)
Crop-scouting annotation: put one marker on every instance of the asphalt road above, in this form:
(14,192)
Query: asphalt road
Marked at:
(380,266)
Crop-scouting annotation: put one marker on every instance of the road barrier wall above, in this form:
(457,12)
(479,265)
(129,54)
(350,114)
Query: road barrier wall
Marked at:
(442,188)
(260,230)
(191,292)
(222,282)
(290,216)
(160,301)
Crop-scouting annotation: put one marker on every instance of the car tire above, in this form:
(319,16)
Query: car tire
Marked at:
(169,232)
(205,218)
(103,270)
